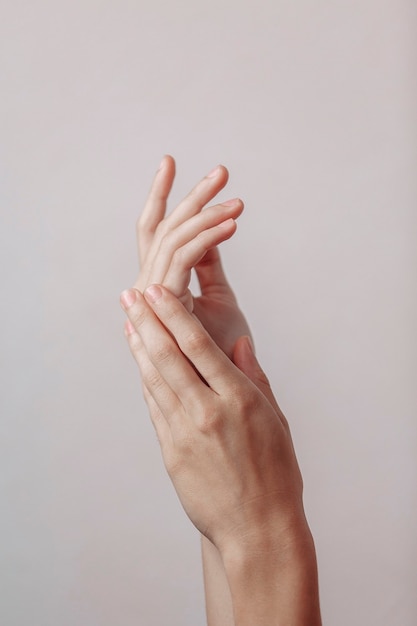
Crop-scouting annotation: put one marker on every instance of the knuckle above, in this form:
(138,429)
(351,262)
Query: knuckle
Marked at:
(246,400)
(196,343)
(210,421)
(138,316)
(152,380)
(162,352)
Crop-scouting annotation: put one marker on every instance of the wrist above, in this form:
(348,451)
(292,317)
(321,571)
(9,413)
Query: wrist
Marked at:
(274,583)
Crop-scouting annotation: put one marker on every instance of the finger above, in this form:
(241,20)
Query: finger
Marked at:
(211,276)
(160,423)
(185,258)
(165,247)
(195,343)
(150,379)
(155,206)
(172,381)
(202,193)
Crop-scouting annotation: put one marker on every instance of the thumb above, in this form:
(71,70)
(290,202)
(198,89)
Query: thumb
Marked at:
(244,358)
(210,274)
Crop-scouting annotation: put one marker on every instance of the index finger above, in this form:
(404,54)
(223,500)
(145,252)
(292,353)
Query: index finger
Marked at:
(193,340)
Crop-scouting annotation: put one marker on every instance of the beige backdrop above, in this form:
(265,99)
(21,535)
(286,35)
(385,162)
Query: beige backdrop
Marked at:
(311,105)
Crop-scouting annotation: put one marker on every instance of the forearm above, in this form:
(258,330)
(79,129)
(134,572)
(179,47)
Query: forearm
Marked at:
(275,588)
(219,608)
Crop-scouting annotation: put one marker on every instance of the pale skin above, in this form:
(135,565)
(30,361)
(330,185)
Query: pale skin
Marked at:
(225,442)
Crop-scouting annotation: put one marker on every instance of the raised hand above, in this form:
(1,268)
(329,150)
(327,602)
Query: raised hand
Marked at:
(218,432)
(170,246)
(228,450)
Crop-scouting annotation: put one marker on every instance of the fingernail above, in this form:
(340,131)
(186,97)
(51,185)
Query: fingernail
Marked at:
(213,172)
(127,298)
(153,293)
(231,202)
(161,165)
(226,223)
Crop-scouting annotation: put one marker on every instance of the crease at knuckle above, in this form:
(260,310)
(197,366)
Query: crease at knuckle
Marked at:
(196,343)
(152,381)
(138,317)
(162,353)
(171,313)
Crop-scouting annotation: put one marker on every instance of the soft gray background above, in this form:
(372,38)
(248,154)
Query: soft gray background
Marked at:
(311,105)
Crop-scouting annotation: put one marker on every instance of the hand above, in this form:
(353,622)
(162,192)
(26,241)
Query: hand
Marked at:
(170,247)
(225,442)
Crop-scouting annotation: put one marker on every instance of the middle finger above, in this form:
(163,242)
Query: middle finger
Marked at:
(172,373)
(163,251)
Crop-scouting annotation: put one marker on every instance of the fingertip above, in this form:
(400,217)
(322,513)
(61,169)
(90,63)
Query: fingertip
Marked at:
(224,170)
(153,293)
(219,172)
(167,162)
(236,204)
(160,189)
(127,298)
(224,174)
